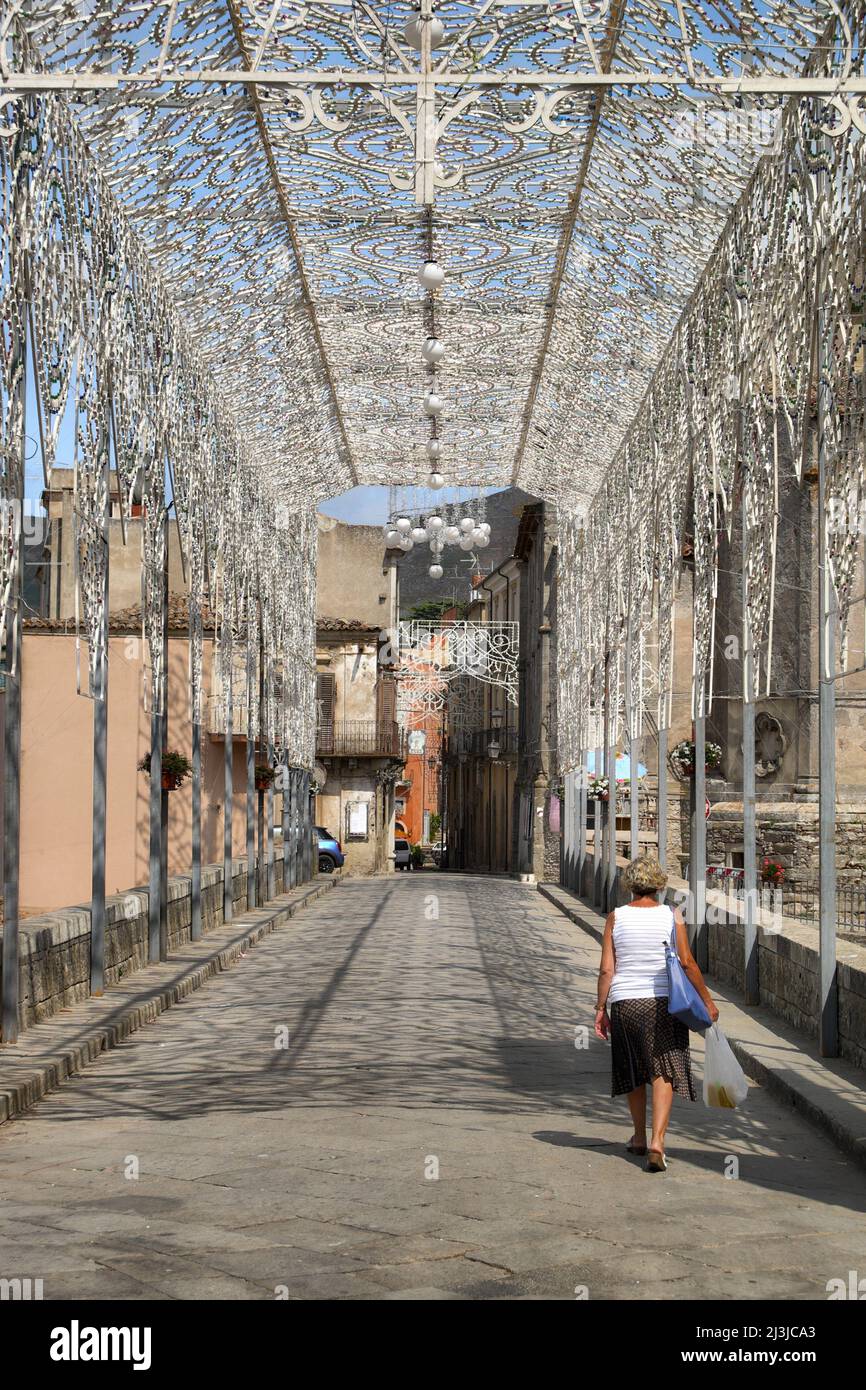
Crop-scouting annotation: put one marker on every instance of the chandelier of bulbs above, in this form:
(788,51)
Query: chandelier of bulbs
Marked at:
(435,530)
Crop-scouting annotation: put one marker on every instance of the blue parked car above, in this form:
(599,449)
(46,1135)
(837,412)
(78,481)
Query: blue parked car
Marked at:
(331,854)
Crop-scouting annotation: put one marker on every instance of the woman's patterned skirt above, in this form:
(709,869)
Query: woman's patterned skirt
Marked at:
(646,1042)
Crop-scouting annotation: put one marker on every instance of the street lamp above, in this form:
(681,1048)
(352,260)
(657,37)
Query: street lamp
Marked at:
(493,747)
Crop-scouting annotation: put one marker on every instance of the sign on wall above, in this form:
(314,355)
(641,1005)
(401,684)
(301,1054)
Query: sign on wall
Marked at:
(357,820)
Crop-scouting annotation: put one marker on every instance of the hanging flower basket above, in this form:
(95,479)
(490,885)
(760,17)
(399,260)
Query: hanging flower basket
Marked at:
(264,775)
(772,873)
(175,769)
(682,758)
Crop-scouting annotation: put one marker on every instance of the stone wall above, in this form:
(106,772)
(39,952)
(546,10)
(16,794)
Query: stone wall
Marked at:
(55,949)
(787,831)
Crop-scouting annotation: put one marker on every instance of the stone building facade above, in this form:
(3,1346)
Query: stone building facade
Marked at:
(786,742)
(360,750)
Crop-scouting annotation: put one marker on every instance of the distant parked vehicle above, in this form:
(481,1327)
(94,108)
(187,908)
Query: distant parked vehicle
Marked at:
(331,854)
(438,852)
(402,854)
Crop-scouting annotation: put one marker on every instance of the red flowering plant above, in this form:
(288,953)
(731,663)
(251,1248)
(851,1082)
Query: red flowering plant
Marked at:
(772,872)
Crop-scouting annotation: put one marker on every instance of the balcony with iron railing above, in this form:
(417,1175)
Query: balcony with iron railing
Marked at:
(361,738)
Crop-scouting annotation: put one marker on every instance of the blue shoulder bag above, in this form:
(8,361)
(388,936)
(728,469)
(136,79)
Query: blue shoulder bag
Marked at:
(684,1002)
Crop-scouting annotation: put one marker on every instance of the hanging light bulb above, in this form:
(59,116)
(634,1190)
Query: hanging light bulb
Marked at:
(434,449)
(433,404)
(433,351)
(406,543)
(437,546)
(418,534)
(466,543)
(480,538)
(451,535)
(484,526)
(431,276)
(435,481)
(467,525)
(403,525)
(435,571)
(434,525)
(412,32)
(392,538)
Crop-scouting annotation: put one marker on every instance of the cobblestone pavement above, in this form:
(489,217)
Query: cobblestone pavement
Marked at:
(430,1131)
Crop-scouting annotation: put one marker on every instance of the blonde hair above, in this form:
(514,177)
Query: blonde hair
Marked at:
(644,875)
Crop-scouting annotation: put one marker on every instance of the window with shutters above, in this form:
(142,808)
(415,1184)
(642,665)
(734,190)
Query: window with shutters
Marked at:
(326,699)
(386,700)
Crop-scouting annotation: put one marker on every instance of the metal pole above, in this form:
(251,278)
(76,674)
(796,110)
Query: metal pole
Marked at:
(195,884)
(262,867)
(195,881)
(751,986)
(266,851)
(597,888)
(228,791)
(610,877)
(269,833)
(633,761)
(293,828)
(662,796)
(633,740)
(12,705)
(698,847)
(100,766)
(750,861)
(296,834)
(581,822)
(286,822)
(155,856)
(158,798)
(251,780)
(565,827)
(163,800)
(828,1023)
(305,827)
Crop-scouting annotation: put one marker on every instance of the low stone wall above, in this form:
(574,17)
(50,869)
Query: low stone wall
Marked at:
(788,964)
(55,949)
(787,831)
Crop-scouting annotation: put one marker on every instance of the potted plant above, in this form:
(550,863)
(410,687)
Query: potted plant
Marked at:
(264,775)
(683,757)
(175,769)
(772,873)
(598,789)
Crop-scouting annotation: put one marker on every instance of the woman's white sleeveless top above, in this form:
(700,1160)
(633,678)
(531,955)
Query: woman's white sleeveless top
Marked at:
(640,935)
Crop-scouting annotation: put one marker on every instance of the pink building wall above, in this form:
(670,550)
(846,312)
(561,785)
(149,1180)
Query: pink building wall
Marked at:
(56,773)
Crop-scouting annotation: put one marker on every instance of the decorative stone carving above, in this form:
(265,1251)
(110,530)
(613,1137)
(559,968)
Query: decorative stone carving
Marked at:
(771,743)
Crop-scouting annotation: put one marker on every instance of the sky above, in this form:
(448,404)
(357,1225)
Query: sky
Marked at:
(368,506)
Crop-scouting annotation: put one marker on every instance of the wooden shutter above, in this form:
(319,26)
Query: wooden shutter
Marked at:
(386,700)
(326,698)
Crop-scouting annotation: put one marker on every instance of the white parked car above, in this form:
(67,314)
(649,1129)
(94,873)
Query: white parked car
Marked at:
(402,854)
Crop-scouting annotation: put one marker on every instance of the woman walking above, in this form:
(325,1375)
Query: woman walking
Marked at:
(648,1046)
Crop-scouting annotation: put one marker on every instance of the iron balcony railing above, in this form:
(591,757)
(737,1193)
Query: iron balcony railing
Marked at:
(361,738)
(800,897)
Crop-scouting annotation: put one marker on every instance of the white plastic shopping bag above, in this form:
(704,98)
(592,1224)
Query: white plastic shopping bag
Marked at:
(725,1084)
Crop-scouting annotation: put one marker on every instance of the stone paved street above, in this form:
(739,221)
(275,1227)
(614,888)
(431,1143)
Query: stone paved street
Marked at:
(413,1043)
